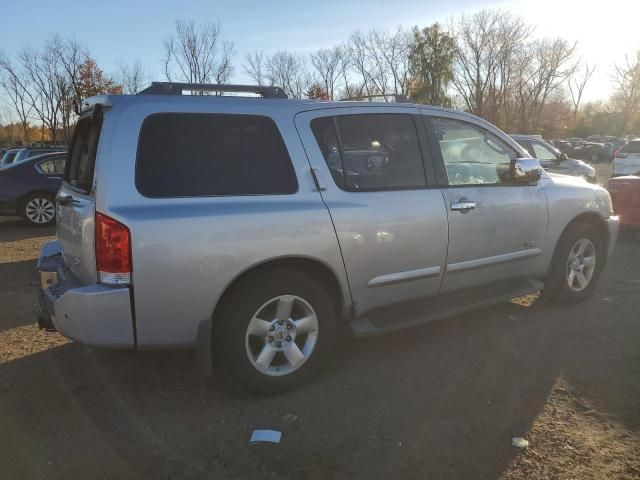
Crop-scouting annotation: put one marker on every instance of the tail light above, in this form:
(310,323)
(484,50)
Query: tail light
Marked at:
(113,251)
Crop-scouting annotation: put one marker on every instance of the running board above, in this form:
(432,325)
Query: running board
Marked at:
(399,318)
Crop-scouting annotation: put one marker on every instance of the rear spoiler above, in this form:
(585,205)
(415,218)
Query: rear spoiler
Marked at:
(90,103)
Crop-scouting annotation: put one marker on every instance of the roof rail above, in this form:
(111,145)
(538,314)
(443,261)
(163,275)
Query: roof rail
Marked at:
(173,88)
(397,98)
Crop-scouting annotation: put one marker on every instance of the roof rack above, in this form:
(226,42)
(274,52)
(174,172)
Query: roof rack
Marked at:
(397,98)
(173,88)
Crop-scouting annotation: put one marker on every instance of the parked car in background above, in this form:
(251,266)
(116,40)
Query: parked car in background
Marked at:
(625,195)
(561,145)
(24,153)
(575,141)
(593,152)
(553,160)
(627,159)
(8,156)
(28,188)
(257,230)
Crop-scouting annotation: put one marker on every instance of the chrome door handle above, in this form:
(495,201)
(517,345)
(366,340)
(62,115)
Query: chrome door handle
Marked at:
(463,206)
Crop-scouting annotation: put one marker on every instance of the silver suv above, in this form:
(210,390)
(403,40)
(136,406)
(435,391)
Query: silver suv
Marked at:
(256,230)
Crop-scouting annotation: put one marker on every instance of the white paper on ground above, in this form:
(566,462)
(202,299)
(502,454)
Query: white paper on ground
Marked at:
(272,436)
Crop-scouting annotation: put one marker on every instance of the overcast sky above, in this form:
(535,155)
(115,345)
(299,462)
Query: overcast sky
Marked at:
(135,29)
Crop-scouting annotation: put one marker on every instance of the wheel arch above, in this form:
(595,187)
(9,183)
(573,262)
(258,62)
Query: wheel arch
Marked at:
(591,218)
(317,268)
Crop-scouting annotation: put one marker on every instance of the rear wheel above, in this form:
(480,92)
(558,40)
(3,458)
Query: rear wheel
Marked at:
(38,209)
(275,331)
(577,264)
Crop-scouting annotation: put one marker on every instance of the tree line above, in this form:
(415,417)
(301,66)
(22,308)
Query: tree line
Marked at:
(488,63)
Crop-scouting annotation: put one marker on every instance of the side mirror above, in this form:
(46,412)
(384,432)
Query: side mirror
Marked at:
(563,156)
(525,170)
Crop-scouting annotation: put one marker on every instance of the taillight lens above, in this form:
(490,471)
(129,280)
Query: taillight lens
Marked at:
(113,251)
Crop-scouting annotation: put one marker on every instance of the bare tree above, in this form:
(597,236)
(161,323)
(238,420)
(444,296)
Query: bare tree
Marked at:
(255,67)
(327,64)
(546,65)
(380,60)
(132,77)
(49,87)
(488,43)
(15,84)
(198,54)
(284,69)
(627,95)
(577,85)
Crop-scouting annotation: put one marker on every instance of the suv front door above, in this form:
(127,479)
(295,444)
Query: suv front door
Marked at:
(497,229)
(390,221)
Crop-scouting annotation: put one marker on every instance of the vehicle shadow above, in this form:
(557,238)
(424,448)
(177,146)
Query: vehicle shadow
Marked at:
(440,401)
(13,229)
(18,290)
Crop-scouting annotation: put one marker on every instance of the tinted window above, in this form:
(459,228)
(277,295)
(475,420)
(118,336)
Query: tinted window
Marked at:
(471,154)
(212,154)
(82,154)
(371,151)
(631,147)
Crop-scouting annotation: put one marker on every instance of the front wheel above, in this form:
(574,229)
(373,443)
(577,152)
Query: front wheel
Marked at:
(275,331)
(38,209)
(577,264)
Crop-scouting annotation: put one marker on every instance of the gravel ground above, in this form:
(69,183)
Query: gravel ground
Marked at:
(440,401)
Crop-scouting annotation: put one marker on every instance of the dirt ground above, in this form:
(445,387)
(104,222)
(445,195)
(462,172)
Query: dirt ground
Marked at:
(440,401)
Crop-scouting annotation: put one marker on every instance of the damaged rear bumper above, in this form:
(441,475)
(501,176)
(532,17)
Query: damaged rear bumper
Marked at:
(96,315)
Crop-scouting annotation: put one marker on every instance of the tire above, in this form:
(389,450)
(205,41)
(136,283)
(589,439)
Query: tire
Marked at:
(285,300)
(561,285)
(38,209)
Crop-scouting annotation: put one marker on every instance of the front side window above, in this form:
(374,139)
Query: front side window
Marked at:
(543,153)
(367,152)
(190,154)
(471,154)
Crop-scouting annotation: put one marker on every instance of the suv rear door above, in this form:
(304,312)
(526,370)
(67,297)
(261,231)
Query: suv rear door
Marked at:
(75,202)
(390,221)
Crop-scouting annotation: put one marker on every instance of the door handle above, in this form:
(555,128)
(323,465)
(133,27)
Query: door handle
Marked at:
(317,178)
(463,206)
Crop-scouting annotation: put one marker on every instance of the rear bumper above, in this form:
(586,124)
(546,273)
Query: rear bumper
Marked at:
(96,315)
(613,226)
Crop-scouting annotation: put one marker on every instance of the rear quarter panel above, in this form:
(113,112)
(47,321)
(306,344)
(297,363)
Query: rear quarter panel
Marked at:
(186,251)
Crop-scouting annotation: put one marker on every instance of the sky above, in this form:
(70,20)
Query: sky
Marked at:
(120,30)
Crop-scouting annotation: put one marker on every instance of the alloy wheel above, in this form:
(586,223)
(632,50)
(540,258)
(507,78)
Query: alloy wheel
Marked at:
(581,265)
(281,335)
(40,210)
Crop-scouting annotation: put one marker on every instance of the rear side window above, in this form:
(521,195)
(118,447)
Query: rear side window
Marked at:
(188,155)
(367,152)
(54,166)
(82,153)
(631,147)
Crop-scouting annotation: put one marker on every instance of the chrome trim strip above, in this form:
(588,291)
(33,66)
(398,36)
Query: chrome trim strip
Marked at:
(406,276)
(490,261)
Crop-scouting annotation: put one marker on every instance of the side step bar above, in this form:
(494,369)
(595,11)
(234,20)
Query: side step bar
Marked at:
(399,318)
